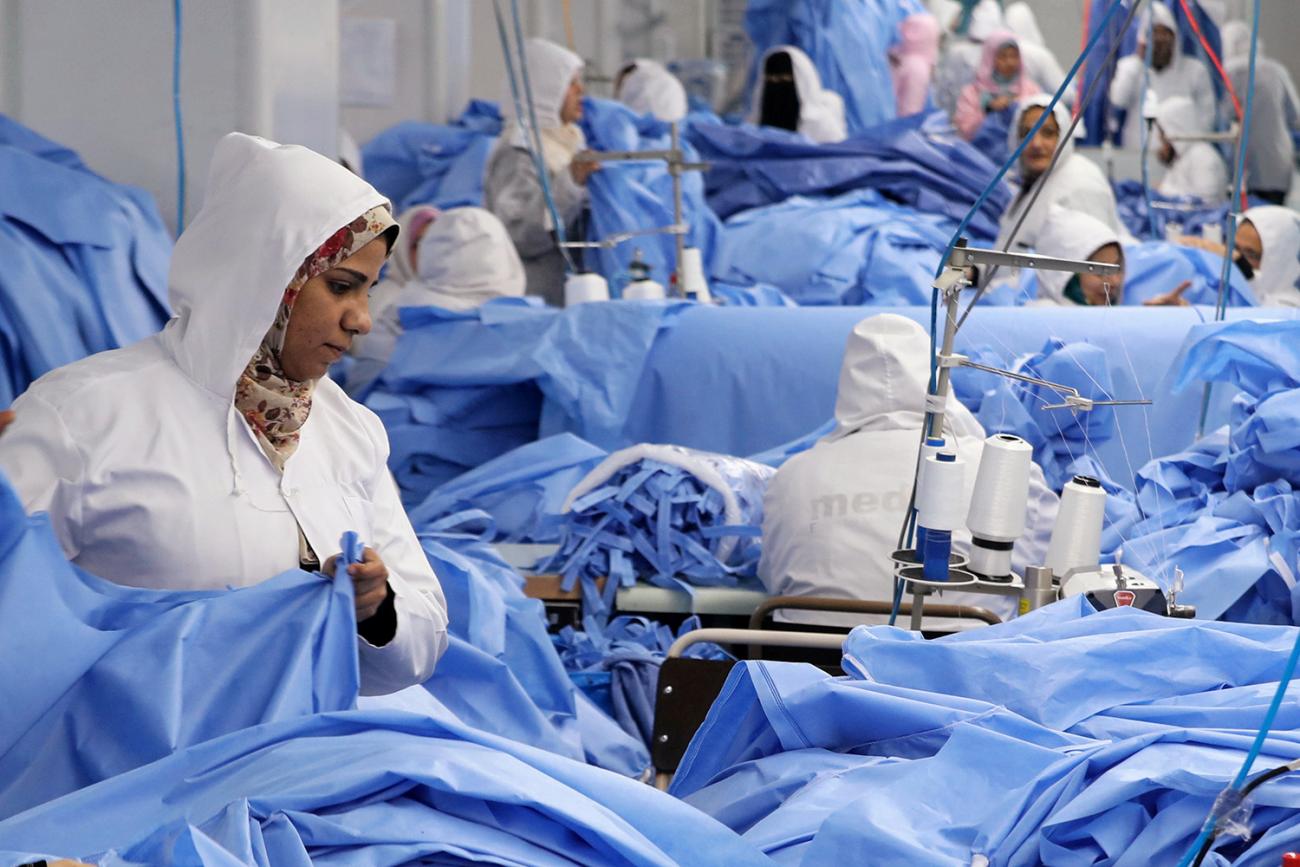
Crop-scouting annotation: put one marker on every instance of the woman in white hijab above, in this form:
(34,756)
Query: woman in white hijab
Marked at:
(1074,235)
(1192,168)
(1076,184)
(218,453)
(511,188)
(789,95)
(1275,112)
(461,260)
(1172,73)
(647,87)
(1266,249)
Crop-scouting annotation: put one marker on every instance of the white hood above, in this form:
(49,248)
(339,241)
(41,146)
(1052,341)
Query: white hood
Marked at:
(884,380)
(551,69)
(1178,116)
(985,20)
(651,89)
(1235,38)
(1060,112)
(821,112)
(1068,235)
(1022,21)
(268,206)
(409,224)
(1164,16)
(1277,282)
(465,259)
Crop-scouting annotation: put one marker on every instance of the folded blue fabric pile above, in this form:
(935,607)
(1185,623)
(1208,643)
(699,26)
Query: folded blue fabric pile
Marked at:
(916,161)
(1065,737)
(85,260)
(677,517)
(856,248)
(618,665)
(1186,214)
(1226,511)
(416,163)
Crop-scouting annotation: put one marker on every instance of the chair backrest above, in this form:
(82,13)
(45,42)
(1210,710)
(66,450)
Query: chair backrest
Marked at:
(687,688)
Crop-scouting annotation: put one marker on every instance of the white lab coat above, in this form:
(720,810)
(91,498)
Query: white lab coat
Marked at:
(651,89)
(1077,184)
(1184,76)
(150,476)
(464,260)
(831,515)
(1277,282)
(1198,170)
(1068,235)
(1275,112)
(821,111)
(511,188)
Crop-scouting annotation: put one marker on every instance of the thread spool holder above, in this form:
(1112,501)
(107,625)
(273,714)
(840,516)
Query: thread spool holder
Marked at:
(676,158)
(907,568)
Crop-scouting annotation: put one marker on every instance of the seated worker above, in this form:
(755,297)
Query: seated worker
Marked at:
(1074,235)
(1266,250)
(912,60)
(999,85)
(511,188)
(1076,184)
(217,453)
(789,95)
(1172,74)
(1275,113)
(1192,168)
(831,515)
(647,87)
(462,259)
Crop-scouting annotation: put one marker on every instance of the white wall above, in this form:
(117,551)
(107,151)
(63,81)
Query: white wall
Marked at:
(96,76)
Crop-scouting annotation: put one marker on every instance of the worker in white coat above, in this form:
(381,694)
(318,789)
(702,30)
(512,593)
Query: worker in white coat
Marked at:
(462,259)
(1266,250)
(1275,113)
(511,188)
(831,515)
(1172,74)
(1192,168)
(1074,235)
(217,453)
(647,87)
(789,95)
(1076,184)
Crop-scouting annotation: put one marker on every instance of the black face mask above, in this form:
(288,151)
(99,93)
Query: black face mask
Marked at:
(1243,265)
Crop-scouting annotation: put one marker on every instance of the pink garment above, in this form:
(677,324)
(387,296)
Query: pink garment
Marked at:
(969,116)
(912,61)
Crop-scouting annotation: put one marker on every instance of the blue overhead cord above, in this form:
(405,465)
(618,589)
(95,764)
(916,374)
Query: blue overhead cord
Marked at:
(178,118)
(528,122)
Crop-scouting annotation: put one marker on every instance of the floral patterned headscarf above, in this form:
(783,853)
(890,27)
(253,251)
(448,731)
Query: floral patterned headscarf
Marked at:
(274,406)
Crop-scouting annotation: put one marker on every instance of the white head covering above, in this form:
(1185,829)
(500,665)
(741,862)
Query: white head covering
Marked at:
(651,89)
(551,69)
(884,380)
(1164,16)
(1235,37)
(1060,112)
(410,222)
(1020,18)
(821,112)
(1277,282)
(985,20)
(1068,235)
(465,259)
(1177,116)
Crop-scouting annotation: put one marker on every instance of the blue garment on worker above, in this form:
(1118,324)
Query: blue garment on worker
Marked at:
(501,672)
(847,42)
(916,161)
(638,196)
(523,490)
(1106,742)
(98,252)
(856,248)
(417,163)
(99,679)
(374,787)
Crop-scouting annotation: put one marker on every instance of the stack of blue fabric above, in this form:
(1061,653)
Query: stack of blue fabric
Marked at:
(85,260)
(1226,511)
(677,517)
(916,161)
(1065,737)
(219,728)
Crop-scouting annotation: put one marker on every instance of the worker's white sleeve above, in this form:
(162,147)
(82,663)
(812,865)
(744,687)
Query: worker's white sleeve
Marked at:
(45,467)
(1203,90)
(418,599)
(1208,175)
(1127,82)
(516,198)
(1040,517)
